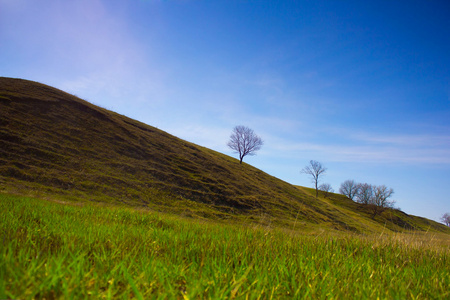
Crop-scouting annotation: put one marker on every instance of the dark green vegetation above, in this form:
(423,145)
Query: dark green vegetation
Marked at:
(57,146)
(54,250)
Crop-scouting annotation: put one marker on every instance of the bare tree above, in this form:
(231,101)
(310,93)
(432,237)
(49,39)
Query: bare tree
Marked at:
(365,193)
(376,197)
(326,189)
(349,188)
(315,170)
(381,194)
(380,201)
(446,219)
(244,141)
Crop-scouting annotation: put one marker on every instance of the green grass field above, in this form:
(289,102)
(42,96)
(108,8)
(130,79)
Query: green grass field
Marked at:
(53,250)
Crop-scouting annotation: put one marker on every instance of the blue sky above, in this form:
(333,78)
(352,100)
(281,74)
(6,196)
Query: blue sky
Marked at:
(361,86)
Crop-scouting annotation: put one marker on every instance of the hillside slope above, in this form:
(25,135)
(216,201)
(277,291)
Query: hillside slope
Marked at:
(55,144)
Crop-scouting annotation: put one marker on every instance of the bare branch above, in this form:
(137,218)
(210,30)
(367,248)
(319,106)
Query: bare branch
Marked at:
(381,195)
(315,170)
(244,141)
(326,189)
(376,197)
(349,188)
(446,219)
(365,193)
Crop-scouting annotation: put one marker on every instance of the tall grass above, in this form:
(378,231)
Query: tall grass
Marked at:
(52,250)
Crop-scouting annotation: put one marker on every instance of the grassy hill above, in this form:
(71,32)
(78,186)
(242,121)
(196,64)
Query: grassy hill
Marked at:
(57,146)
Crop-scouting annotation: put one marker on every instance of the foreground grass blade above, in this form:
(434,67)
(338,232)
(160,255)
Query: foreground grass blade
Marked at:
(50,250)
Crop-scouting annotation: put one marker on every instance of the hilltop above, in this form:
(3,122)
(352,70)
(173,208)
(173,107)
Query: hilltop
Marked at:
(54,145)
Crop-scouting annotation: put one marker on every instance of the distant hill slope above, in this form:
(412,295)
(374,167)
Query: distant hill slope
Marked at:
(55,144)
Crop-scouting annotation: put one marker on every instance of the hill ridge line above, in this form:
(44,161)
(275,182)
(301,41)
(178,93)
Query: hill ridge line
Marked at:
(66,147)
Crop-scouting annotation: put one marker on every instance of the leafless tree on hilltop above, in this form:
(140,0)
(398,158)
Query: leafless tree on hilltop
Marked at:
(446,219)
(244,141)
(315,170)
(326,189)
(349,188)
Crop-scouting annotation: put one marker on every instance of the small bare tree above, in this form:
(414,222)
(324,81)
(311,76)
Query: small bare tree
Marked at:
(381,195)
(349,188)
(365,193)
(446,219)
(376,197)
(380,201)
(326,189)
(244,141)
(315,170)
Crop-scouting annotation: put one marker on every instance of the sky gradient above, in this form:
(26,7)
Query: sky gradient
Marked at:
(361,86)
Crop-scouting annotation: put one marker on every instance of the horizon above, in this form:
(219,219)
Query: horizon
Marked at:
(363,88)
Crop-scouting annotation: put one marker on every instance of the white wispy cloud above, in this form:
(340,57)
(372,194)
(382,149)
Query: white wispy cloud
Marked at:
(410,140)
(210,137)
(85,48)
(368,148)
